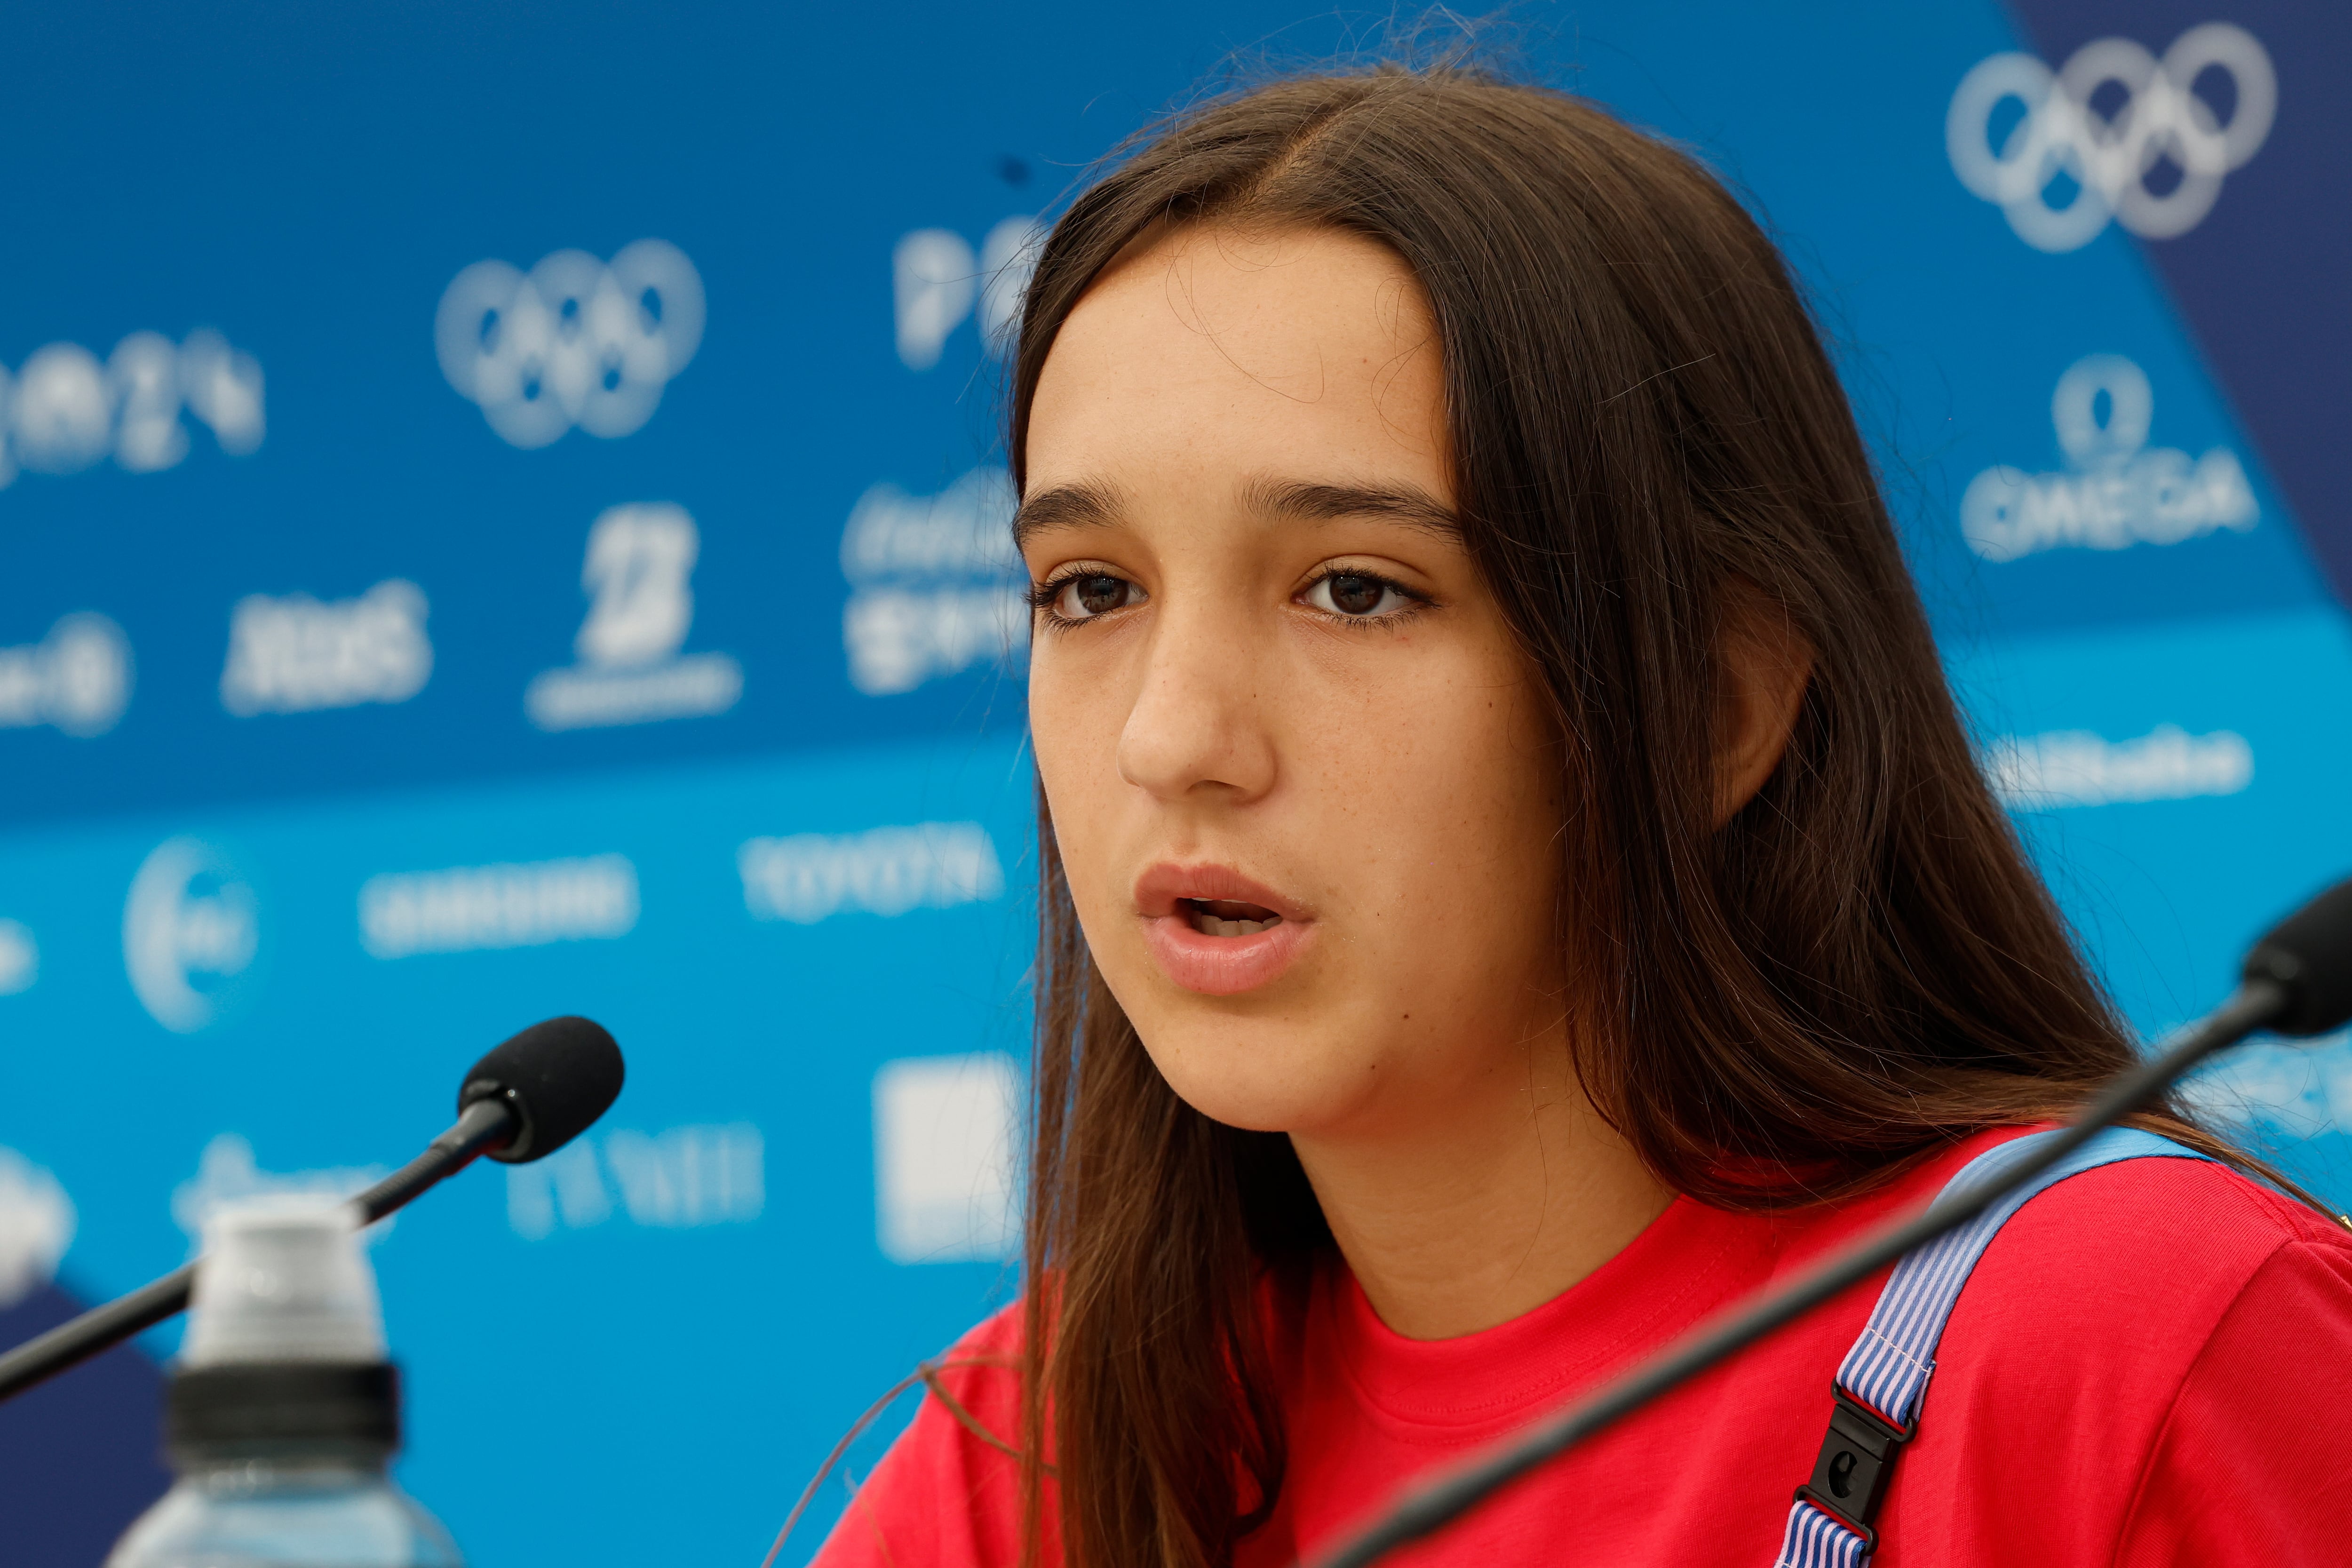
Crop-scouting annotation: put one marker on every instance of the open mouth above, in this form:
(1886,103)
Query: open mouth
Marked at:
(1215,931)
(1228,917)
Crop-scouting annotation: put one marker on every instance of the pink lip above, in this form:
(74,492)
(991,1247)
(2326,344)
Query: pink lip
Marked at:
(1216,965)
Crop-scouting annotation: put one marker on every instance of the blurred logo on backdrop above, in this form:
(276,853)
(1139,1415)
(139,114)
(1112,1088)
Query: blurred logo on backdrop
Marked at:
(65,409)
(574,340)
(810,877)
(191,932)
(227,1173)
(937,280)
(639,579)
(76,680)
(936,586)
(36,1226)
(20,958)
(296,654)
(2116,133)
(2065,768)
(684,1179)
(2118,491)
(471,909)
(946,1186)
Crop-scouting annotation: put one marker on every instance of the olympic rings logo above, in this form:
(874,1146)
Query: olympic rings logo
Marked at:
(574,340)
(2161,124)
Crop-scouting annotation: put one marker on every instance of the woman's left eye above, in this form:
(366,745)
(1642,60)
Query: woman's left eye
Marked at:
(1356,595)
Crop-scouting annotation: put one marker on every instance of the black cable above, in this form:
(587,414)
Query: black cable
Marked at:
(2258,1003)
(857,1429)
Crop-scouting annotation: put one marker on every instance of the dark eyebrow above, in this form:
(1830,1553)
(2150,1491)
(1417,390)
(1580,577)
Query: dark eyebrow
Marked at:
(1092,505)
(1085,505)
(1304,502)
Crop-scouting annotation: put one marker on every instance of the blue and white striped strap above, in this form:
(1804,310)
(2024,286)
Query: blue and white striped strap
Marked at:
(1815,1540)
(1888,1367)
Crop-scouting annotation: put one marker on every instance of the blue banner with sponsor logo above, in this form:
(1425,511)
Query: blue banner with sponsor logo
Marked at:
(504,516)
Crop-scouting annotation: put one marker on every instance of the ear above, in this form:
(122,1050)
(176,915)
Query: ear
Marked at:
(1765,664)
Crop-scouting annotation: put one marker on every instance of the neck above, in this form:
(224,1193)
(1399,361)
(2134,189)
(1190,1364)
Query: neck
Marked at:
(1474,1213)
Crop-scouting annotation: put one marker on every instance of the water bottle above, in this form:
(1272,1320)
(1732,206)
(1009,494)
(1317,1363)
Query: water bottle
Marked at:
(283,1411)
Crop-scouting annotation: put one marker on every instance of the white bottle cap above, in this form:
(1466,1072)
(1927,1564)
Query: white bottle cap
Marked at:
(283,1278)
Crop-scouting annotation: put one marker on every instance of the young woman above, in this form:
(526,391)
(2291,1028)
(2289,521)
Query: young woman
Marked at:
(1515,881)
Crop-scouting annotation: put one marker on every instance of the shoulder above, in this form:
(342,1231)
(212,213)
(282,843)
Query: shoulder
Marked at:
(2134,1266)
(2167,1245)
(2108,1306)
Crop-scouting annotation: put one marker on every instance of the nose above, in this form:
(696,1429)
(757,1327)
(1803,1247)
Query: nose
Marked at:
(1197,727)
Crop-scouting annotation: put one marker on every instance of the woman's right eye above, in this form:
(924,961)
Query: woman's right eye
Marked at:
(1092,593)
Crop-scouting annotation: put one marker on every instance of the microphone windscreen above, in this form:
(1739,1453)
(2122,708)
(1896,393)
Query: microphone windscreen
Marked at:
(2309,956)
(559,1075)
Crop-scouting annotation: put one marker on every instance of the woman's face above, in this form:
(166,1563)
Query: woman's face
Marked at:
(1303,788)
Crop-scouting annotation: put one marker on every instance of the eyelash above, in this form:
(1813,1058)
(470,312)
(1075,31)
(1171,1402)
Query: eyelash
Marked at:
(1045,595)
(1042,596)
(1414,603)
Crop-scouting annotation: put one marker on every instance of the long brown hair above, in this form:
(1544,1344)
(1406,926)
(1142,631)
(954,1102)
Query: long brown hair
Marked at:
(1860,967)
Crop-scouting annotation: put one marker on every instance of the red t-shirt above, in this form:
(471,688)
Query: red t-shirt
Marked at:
(2152,1363)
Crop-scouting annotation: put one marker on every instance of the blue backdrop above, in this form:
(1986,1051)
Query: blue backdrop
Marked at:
(502,517)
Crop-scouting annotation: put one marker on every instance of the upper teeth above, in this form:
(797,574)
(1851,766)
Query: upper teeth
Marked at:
(1208,924)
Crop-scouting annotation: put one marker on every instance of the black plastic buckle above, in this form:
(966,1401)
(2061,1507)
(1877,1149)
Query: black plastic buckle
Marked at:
(1856,1463)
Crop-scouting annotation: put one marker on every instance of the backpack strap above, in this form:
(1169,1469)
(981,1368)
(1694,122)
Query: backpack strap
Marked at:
(1884,1378)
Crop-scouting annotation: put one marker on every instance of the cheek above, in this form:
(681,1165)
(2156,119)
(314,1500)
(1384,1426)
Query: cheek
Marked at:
(1465,800)
(1075,714)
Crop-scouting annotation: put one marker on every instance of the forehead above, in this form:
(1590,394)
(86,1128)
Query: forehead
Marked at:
(1300,351)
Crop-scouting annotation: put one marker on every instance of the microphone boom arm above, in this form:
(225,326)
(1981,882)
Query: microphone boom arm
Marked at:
(484,1124)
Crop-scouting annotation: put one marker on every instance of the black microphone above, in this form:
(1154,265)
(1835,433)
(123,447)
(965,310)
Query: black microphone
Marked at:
(523,1101)
(2296,981)
(2308,955)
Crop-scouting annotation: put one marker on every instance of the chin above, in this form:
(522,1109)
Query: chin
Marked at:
(1260,1076)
